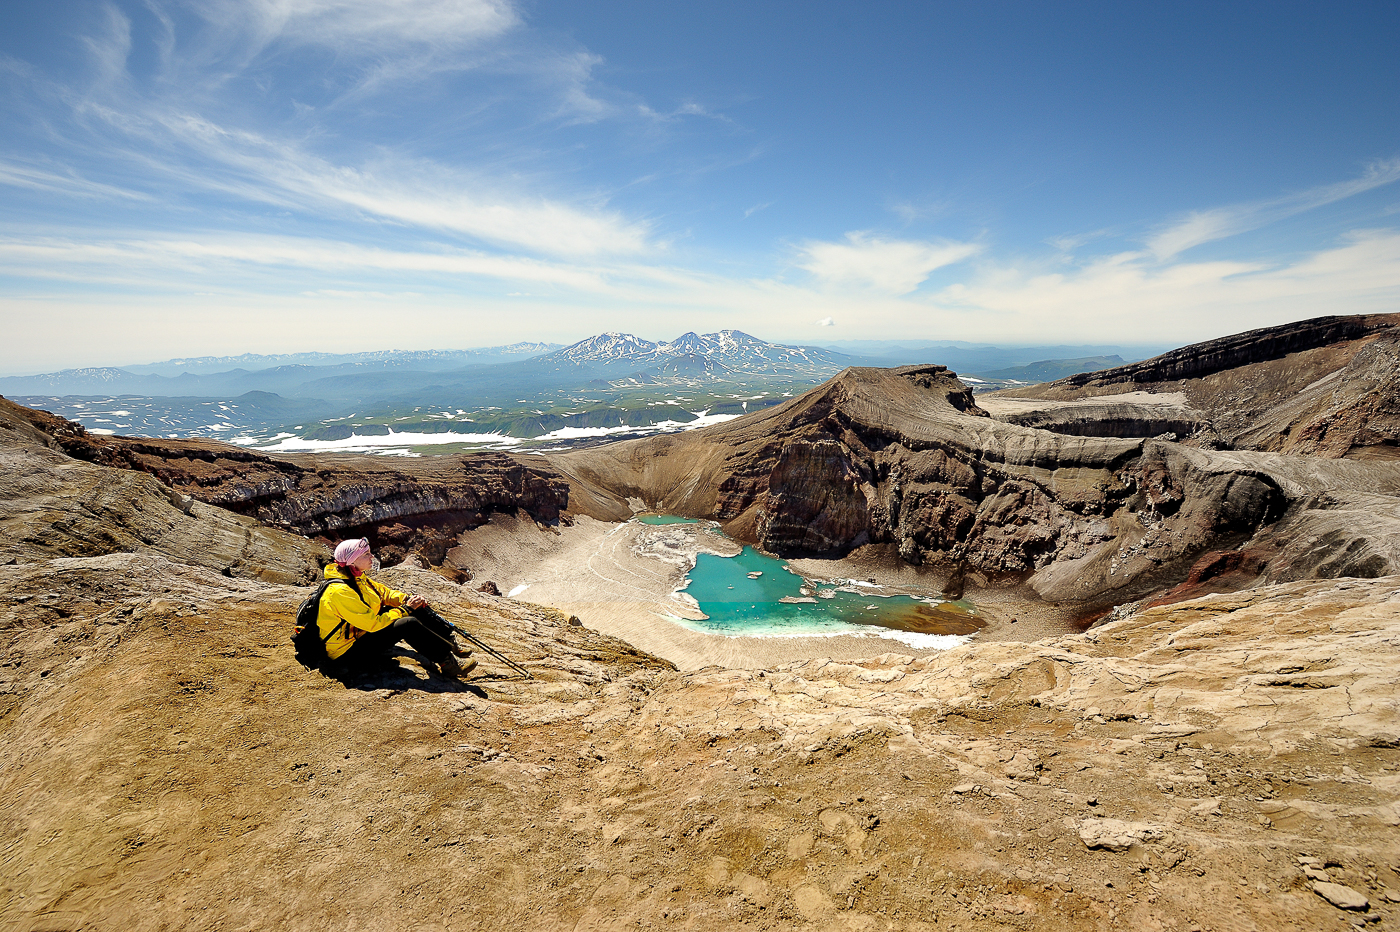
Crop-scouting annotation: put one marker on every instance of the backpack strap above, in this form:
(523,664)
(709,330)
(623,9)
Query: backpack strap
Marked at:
(353,584)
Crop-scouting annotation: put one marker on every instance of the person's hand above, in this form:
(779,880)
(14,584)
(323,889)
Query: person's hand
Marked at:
(416,601)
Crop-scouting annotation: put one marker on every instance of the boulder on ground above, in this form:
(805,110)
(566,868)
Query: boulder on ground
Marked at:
(1115,835)
(1340,895)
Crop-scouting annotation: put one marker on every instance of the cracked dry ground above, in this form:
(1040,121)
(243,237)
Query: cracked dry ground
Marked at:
(167,765)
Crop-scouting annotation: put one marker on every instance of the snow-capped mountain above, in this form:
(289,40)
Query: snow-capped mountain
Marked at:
(73,381)
(735,350)
(605,347)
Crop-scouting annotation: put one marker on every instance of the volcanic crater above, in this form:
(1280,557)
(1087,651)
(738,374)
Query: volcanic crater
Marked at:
(1181,713)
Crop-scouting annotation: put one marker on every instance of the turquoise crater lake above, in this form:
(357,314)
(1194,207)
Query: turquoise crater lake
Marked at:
(755,595)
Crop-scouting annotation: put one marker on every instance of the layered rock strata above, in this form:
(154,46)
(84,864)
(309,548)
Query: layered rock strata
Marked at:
(904,458)
(52,505)
(412,506)
(1327,387)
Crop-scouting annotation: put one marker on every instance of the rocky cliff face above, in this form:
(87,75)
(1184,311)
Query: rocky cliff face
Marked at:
(1327,387)
(815,500)
(1238,350)
(413,506)
(904,458)
(52,506)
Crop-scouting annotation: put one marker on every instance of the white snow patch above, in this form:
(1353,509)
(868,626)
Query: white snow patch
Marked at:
(377,443)
(930,641)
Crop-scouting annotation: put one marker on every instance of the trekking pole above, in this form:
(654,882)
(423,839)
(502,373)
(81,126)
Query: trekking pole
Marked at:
(492,651)
(472,639)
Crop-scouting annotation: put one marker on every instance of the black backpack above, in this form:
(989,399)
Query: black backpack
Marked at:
(306,636)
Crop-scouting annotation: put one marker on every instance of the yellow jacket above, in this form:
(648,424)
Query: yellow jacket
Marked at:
(350,615)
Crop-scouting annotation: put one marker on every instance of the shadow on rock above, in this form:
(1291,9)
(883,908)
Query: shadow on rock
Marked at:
(390,674)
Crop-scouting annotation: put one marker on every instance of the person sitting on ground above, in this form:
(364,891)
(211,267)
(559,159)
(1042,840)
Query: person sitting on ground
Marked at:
(369,618)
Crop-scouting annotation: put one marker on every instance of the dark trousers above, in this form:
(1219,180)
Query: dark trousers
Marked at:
(424,630)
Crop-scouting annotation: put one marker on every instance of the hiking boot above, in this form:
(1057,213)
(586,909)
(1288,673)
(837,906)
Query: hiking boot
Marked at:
(451,668)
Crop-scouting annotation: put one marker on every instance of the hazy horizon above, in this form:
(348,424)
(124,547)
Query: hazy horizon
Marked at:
(847,346)
(210,178)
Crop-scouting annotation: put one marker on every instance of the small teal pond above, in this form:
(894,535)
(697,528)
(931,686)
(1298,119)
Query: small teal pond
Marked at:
(754,595)
(665,519)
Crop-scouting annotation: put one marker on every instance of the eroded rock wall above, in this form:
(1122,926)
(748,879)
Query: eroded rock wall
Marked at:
(53,506)
(1327,387)
(414,506)
(903,458)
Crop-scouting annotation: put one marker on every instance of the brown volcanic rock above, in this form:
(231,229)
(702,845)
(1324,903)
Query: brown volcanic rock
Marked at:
(402,505)
(1325,387)
(54,506)
(815,502)
(905,458)
(168,765)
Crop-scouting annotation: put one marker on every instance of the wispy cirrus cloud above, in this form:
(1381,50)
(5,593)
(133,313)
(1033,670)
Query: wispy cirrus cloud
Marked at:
(1137,298)
(1204,226)
(69,183)
(372,26)
(891,266)
(116,258)
(419,192)
(1126,297)
(170,132)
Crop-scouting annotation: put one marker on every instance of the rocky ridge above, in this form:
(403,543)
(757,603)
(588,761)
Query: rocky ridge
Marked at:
(418,506)
(1327,387)
(52,505)
(906,460)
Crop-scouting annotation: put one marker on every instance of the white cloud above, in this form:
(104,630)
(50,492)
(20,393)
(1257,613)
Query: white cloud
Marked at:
(891,266)
(1129,297)
(115,259)
(69,182)
(1069,243)
(171,136)
(109,48)
(1204,226)
(370,25)
(417,192)
(826,322)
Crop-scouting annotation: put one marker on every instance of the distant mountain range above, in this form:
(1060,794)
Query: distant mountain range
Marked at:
(981,359)
(602,386)
(231,375)
(419,359)
(360,376)
(1049,370)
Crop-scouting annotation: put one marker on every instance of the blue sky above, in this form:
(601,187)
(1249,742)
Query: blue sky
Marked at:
(187,177)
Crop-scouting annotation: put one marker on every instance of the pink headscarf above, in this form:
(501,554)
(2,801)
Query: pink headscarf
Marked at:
(348,551)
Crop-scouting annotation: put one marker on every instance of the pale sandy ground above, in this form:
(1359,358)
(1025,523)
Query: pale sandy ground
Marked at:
(619,578)
(998,405)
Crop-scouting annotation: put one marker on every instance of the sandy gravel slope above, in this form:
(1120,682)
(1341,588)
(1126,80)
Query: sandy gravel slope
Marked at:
(167,765)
